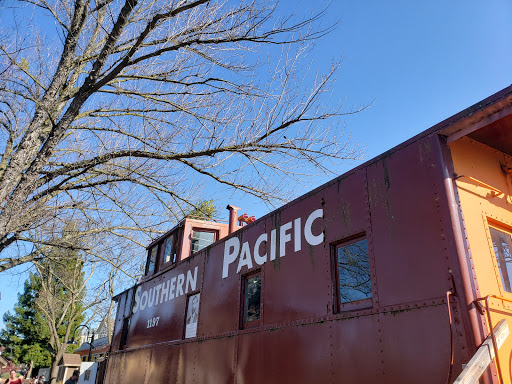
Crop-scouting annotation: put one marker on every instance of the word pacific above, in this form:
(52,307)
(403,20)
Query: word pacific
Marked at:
(165,291)
(232,245)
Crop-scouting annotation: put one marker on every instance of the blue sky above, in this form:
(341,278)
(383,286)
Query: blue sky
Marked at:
(417,63)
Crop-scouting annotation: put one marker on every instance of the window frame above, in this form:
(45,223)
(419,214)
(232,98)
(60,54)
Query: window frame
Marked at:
(157,259)
(189,296)
(255,323)
(123,342)
(502,227)
(127,317)
(366,303)
(200,229)
(176,247)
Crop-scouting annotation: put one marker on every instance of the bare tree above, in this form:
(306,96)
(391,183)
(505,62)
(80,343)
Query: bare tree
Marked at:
(116,119)
(69,296)
(60,300)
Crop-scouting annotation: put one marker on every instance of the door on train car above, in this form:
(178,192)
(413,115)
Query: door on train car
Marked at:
(482,163)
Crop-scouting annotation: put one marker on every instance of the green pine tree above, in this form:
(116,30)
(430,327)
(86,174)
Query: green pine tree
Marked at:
(47,312)
(26,333)
(205,210)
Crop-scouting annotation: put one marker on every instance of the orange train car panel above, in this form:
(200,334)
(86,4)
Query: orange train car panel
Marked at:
(398,271)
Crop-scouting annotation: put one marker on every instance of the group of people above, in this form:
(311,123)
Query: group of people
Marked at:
(41,380)
(13,379)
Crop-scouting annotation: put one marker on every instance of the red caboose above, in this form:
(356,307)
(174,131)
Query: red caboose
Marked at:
(379,276)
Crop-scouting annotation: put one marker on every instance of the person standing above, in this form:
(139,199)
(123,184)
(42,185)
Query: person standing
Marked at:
(73,379)
(12,378)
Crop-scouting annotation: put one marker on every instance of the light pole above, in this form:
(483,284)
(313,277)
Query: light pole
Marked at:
(90,342)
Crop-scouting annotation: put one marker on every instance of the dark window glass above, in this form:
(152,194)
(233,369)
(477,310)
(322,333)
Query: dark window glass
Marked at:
(152,260)
(252,298)
(201,239)
(124,332)
(353,272)
(169,250)
(502,244)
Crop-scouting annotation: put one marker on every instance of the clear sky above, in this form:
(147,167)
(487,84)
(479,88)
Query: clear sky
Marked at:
(416,62)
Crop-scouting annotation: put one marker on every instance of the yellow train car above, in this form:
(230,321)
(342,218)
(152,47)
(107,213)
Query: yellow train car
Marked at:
(481,152)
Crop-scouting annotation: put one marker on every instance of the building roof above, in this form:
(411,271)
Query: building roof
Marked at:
(70,360)
(3,361)
(99,346)
(106,327)
(98,343)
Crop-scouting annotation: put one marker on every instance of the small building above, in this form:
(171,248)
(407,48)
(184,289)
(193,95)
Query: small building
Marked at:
(4,363)
(105,328)
(99,350)
(67,364)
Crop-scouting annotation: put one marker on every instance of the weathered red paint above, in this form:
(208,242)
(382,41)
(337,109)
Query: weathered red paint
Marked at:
(415,234)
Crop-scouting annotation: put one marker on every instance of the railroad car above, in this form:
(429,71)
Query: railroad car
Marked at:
(398,271)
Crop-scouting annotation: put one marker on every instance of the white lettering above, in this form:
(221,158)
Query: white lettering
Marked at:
(284,238)
(151,297)
(273,244)
(165,291)
(137,298)
(143,300)
(173,286)
(179,286)
(308,234)
(245,257)
(191,281)
(260,260)
(157,293)
(231,249)
(296,235)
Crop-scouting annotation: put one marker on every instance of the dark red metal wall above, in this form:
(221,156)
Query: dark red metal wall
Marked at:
(405,337)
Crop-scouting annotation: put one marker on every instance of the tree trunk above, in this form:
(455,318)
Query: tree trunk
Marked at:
(29,372)
(55,367)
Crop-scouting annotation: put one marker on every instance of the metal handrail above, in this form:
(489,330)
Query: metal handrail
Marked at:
(494,343)
(495,192)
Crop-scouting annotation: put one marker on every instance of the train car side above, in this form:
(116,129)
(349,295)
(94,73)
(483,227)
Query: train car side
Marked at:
(482,163)
(400,331)
(371,277)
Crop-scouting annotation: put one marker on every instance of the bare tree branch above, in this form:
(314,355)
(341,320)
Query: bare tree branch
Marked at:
(116,119)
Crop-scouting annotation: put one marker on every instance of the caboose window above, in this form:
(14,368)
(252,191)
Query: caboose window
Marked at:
(192,316)
(202,239)
(124,332)
(152,260)
(502,244)
(169,250)
(251,300)
(353,272)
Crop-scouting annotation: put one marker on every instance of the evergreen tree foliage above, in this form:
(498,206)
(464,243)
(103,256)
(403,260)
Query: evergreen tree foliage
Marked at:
(205,210)
(26,333)
(47,312)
